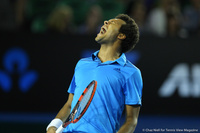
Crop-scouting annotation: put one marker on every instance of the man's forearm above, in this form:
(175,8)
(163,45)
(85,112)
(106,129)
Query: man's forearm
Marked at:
(128,127)
(61,116)
(65,110)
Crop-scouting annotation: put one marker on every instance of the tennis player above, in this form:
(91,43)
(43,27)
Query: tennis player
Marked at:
(119,83)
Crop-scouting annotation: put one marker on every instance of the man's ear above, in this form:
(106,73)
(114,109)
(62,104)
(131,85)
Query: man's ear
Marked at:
(121,36)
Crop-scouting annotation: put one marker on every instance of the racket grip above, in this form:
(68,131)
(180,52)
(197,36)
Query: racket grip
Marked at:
(60,129)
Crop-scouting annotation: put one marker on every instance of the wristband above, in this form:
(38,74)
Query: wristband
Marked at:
(55,123)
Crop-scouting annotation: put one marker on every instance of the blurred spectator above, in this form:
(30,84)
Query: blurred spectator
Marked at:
(80,8)
(192,17)
(158,19)
(112,8)
(174,24)
(149,5)
(61,20)
(93,21)
(137,10)
(37,12)
(12,14)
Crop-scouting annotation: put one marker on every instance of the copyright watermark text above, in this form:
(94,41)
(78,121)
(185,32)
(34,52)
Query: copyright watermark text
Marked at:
(186,130)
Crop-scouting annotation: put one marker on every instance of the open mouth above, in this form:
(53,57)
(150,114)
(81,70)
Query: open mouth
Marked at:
(103,30)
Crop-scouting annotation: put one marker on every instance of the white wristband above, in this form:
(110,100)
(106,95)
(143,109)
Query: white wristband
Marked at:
(55,123)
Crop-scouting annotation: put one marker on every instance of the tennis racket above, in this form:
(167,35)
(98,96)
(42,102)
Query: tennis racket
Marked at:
(81,106)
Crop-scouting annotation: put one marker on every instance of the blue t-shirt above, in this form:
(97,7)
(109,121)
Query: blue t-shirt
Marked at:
(118,83)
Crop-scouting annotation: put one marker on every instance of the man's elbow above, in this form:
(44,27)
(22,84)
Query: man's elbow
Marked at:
(134,123)
(68,105)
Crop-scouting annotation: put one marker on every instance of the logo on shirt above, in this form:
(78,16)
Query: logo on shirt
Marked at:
(117,69)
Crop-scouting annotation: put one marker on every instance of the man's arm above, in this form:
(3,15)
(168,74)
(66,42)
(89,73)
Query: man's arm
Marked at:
(132,113)
(63,113)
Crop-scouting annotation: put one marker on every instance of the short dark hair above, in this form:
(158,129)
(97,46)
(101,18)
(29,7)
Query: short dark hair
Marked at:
(131,30)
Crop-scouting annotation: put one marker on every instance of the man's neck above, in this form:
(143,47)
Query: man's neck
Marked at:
(108,53)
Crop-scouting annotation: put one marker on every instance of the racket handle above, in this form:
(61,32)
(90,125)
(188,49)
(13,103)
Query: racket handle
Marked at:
(60,129)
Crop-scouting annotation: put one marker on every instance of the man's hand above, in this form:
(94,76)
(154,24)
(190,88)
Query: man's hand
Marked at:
(51,130)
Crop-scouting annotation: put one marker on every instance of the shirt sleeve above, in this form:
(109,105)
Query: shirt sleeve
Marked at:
(72,86)
(133,89)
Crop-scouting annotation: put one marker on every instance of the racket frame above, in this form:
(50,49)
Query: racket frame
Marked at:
(72,114)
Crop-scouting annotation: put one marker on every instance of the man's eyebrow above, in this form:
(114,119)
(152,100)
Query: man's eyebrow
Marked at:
(113,20)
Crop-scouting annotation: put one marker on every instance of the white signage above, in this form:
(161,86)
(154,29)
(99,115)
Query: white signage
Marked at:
(183,79)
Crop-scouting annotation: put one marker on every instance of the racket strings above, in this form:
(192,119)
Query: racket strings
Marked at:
(84,102)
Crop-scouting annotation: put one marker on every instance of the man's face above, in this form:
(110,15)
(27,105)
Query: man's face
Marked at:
(109,31)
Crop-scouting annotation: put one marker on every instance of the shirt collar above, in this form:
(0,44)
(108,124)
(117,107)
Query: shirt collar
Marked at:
(121,60)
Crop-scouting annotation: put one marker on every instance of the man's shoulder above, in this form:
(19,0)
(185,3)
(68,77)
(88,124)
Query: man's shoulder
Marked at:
(129,65)
(85,59)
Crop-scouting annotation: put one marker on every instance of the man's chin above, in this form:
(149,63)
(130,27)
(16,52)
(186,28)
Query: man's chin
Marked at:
(97,38)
